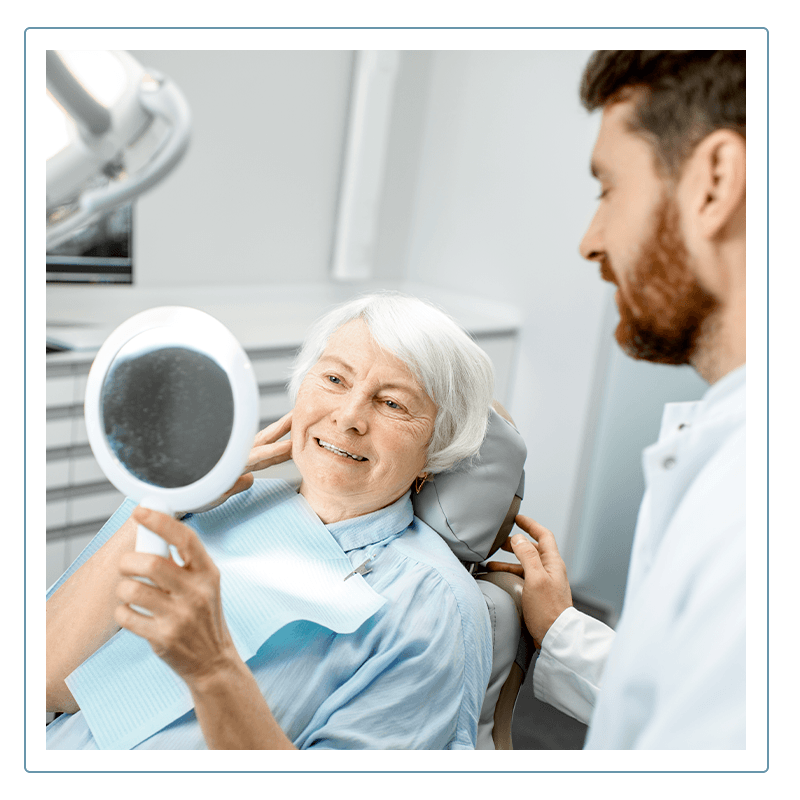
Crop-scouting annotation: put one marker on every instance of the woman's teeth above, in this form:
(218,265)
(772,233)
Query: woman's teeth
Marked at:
(338,451)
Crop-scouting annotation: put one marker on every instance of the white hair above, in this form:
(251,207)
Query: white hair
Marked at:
(453,370)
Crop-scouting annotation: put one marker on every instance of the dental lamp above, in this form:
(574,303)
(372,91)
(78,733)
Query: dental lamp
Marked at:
(115,130)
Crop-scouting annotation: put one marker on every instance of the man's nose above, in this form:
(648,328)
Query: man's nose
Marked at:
(351,412)
(591,247)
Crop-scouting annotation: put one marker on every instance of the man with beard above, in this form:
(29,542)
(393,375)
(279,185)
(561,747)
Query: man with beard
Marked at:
(669,232)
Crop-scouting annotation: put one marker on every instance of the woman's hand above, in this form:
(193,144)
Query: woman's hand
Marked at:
(188,631)
(187,628)
(266,452)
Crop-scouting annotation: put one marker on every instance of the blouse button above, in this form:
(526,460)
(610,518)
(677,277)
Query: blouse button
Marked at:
(668,463)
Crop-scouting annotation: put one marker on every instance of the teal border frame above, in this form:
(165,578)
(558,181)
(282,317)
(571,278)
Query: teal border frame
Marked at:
(28,323)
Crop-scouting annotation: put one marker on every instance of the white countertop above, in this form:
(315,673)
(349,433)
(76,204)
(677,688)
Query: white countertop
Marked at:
(81,317)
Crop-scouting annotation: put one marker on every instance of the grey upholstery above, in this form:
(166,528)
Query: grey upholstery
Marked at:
(513,651)
(472,506)
(469,504)
(505,636)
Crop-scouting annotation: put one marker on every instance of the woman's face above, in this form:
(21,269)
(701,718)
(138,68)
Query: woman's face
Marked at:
(360,428)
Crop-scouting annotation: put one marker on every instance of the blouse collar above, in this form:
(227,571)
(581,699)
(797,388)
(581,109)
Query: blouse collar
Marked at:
(373,528)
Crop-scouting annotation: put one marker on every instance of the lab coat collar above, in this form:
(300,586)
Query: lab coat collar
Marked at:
(373,528)
(720,394)
(719,401)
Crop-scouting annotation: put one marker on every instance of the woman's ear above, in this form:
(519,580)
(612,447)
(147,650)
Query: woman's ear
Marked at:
(716,174)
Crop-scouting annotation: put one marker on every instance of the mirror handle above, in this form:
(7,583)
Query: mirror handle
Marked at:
(146,540)
(149,542)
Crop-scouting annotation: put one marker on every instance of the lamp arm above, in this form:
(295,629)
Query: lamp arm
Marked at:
(71,94)
(163,100)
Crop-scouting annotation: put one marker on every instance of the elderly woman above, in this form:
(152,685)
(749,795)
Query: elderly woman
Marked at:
(387,391)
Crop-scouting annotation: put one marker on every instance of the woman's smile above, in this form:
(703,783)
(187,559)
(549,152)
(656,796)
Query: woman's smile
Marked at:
(331,448)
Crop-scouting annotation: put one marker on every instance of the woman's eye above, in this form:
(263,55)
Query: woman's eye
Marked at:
(392,404)
(334,379)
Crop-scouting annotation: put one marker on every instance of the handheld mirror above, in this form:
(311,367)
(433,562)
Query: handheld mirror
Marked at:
(171,412)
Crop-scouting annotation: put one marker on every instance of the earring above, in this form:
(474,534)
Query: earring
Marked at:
(418,484)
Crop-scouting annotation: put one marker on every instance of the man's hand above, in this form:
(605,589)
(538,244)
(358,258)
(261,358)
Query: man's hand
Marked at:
(546,592)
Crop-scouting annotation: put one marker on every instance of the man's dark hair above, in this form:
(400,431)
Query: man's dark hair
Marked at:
(686,94)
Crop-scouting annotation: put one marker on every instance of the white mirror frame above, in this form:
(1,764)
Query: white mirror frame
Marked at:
(178,326)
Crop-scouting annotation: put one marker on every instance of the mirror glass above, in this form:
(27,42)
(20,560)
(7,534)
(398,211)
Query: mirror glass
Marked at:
(167,413)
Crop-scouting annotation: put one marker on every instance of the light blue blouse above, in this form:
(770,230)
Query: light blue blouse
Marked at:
(413,676)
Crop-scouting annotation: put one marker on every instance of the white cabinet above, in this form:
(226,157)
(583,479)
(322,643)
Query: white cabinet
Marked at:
(79,498)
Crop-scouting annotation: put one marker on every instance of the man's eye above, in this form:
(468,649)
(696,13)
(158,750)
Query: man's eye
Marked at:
(392,404)
(333,379)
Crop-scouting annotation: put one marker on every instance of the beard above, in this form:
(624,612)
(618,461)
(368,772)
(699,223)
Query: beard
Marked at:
(664,308)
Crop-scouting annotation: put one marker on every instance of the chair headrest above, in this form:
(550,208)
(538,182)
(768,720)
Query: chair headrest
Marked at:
(468,505)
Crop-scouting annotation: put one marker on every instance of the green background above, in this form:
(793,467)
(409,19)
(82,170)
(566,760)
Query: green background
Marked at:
(24,317)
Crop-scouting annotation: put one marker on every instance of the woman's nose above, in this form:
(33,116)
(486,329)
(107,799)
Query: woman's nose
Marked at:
(351,412)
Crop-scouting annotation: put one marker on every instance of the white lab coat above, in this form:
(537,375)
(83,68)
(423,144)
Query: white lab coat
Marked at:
(673,675)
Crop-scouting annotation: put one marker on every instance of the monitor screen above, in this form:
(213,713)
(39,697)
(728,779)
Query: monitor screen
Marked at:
(99,253)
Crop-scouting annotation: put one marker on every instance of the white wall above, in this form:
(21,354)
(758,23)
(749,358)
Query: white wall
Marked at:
(254,199)
(501,203)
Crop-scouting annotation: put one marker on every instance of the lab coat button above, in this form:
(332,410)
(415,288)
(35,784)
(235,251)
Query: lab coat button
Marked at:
(668,463)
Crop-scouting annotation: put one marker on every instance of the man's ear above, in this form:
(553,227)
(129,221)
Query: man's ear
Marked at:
(717,181)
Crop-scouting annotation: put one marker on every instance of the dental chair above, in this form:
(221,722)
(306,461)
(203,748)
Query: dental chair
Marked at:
(472,507)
